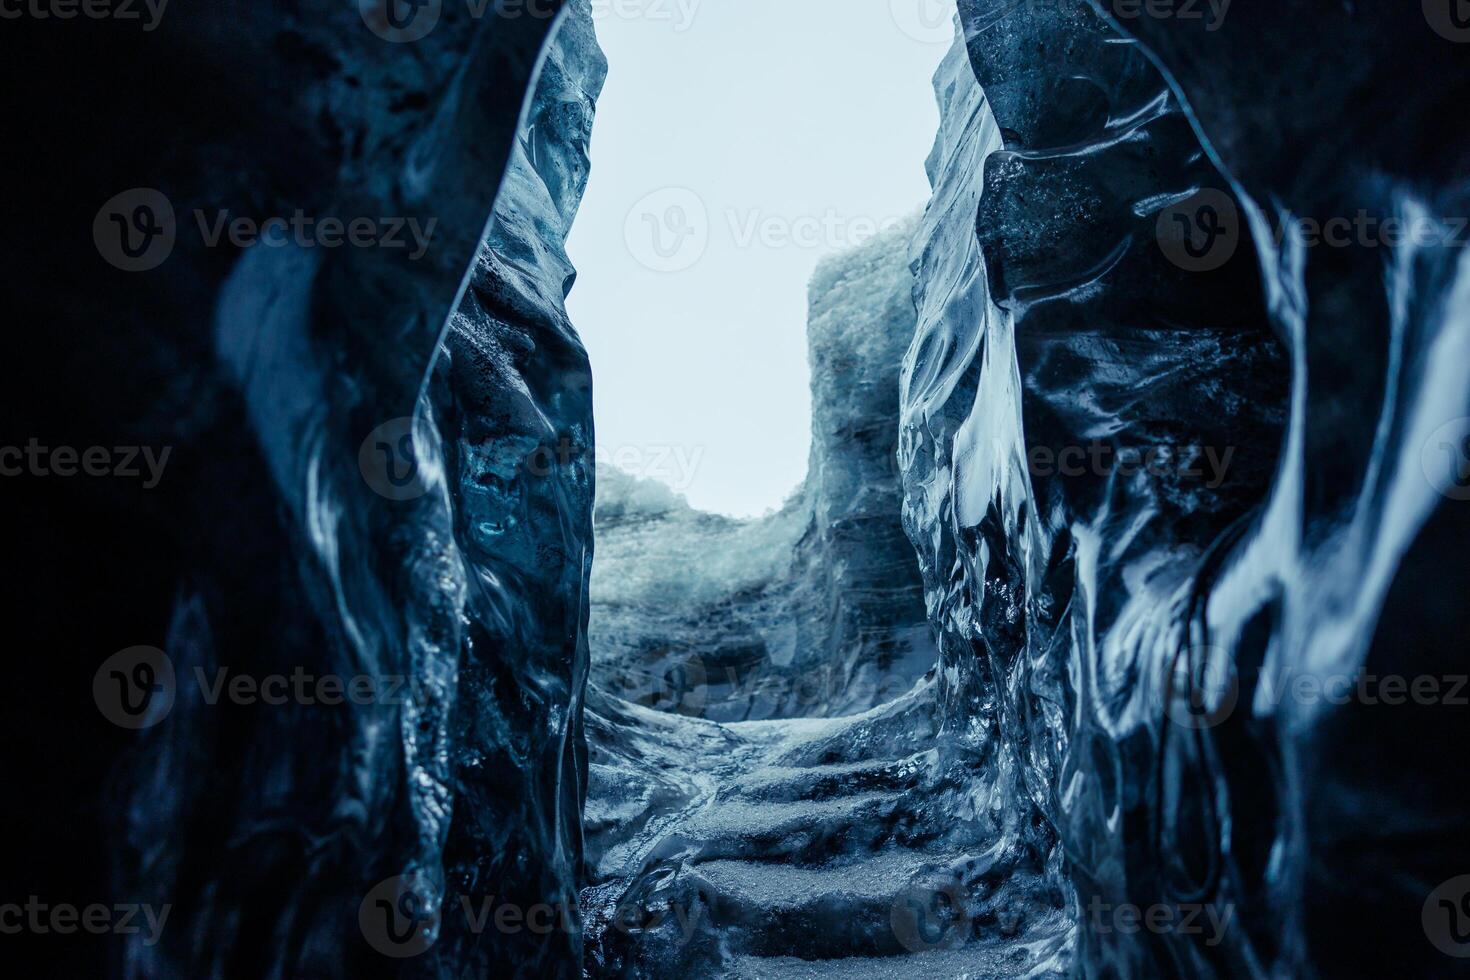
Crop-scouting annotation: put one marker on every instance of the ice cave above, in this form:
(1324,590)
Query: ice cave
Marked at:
(1117,629)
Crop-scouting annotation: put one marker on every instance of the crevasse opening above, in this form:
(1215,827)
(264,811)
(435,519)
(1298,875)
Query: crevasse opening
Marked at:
(745,298)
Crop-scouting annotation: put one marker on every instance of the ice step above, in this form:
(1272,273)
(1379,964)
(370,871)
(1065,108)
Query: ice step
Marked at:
(831,910)
(778,783)
(1042,953)
(879,878)
(801,831)
(961,964)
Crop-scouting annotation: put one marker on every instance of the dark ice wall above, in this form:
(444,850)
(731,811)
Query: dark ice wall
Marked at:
(1321,114)
(513,391)
(301,523)
(1134,636)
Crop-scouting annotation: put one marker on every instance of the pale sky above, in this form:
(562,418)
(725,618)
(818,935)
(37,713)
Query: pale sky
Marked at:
(737,142)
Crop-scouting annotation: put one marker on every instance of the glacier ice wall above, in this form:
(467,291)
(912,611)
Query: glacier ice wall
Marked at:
(1074,332)
(1124,639)
(815,609)
(329,509)
(1357,561)
(512,392)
